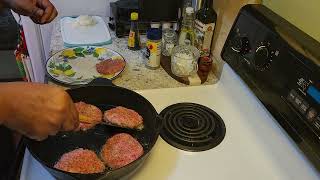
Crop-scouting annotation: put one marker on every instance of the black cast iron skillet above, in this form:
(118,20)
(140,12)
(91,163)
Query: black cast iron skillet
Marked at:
(105,96)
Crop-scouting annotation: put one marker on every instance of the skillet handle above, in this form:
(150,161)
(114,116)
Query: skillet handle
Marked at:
(159,123)
(101,82)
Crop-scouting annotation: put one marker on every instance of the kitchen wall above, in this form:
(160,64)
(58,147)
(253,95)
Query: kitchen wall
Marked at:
(303,14)
(227,11)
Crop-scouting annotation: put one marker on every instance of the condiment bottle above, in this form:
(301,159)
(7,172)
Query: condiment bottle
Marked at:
(152,51)
(187,35)
(134,36)
(205,21)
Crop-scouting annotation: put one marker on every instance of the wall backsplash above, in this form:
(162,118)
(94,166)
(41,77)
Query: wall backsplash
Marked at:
(303,14)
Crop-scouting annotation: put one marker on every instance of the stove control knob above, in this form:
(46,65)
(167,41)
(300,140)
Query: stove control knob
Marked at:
(262,58)
(240,45)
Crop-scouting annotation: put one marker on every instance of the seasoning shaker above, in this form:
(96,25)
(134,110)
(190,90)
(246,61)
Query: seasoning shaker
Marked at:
(152,51)
(169,39)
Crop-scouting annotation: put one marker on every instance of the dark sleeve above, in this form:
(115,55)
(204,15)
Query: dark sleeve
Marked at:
(6,151)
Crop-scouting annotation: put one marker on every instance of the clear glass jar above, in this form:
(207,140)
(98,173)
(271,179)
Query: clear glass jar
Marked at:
(184,60)
(169,41)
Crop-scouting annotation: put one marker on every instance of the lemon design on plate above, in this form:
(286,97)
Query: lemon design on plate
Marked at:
(69,72)
(108,76)
(68,53)
(64,68)
(99,51)
(57,72)
(116,57)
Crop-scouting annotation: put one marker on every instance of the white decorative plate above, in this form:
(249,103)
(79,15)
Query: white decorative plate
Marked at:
(77,66)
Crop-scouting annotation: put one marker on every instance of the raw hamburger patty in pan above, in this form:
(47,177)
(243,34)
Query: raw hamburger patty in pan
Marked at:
(110,66)
(124,117)
(88,113)
(120,150)
(81,161)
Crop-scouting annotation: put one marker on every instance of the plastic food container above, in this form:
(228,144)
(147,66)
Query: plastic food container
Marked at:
(184,60)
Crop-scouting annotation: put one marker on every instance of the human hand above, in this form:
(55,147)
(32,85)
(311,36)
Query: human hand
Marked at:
(40,11)
(38,110)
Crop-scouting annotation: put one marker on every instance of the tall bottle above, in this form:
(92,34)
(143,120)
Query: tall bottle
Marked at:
(134,36)
(187,35)
(186,3)
(205,21)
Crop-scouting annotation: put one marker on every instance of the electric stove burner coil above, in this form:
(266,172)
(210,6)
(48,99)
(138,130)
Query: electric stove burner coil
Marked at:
(192,127)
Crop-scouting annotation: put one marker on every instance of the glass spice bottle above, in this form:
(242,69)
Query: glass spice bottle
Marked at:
(169,39)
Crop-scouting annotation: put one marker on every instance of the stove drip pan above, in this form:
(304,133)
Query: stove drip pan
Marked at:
(192,127)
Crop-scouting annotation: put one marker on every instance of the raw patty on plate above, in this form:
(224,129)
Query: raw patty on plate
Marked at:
(90,113)
(124,117)
(120,150)
(81,161)
(110,66)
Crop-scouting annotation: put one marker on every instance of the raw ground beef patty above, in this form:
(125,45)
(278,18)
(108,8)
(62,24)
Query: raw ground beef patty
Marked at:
(120,150)
(90,113)
(110,66)
(81,161)
(124,117)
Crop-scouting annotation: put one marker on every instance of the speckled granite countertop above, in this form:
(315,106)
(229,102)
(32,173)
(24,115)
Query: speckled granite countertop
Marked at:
(136,76)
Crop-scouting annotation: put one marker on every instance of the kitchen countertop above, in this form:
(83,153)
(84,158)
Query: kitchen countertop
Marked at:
(136,76)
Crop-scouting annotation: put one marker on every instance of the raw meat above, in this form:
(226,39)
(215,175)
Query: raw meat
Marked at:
(124,117)
(120,150)
(90,113)
(80,161)
(110,66)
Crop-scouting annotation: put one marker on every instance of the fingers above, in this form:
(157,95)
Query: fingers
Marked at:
(68,125)
(36,12)
(53,15)
(37,136)
(75,115)
(40,11)
(50,11)
(36,15)
(72,120)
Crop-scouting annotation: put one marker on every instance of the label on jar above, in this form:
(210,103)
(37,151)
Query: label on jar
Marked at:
(204,33)
(153,54)
(131,39)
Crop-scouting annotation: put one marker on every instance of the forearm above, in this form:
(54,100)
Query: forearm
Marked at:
(6,95)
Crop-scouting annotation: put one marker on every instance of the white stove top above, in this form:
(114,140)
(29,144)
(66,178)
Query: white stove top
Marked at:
(255,146)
